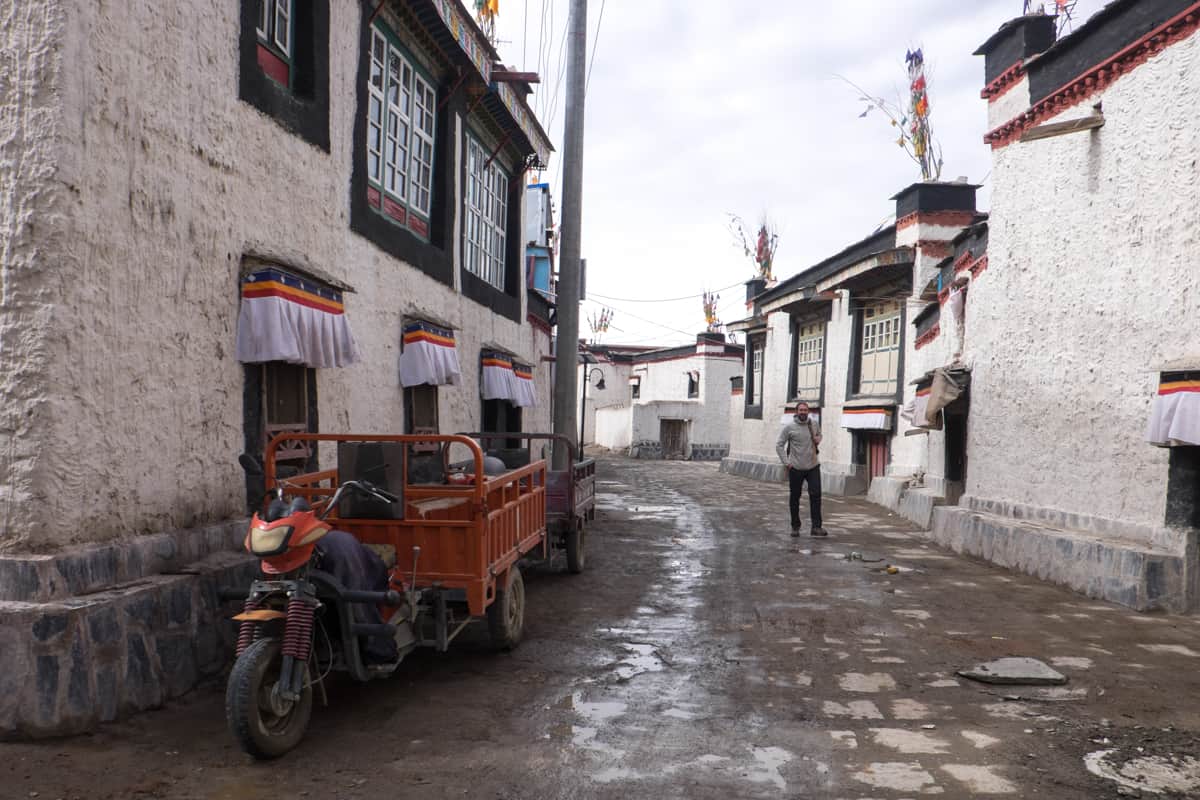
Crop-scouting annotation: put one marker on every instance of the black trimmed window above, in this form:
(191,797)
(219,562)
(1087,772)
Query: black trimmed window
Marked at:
(879,348)
(415,226)
(492,267)
(284,64)
(693,385)
(808,362)
(485,246)
(756,355)
(635,388)
(401,131)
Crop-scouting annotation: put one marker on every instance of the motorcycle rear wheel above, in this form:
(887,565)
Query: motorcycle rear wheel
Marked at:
(260,725)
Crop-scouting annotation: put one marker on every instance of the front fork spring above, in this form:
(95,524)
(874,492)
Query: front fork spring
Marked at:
(298,633)
(248,629)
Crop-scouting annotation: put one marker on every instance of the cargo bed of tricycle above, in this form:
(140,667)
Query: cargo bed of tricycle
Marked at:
(463,538)
(570,492)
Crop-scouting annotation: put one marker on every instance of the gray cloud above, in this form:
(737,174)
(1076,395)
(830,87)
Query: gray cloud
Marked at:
(701,108)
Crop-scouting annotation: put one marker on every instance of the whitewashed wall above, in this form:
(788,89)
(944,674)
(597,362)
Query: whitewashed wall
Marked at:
(614,427)
(148,179)
(34,231)
(837,445)
(1093,279)
(667,382)
(755,438)
(614,394)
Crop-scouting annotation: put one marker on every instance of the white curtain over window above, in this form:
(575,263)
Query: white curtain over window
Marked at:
(524,393)
(498,381)
(867,419)
(287,318)
(1175,413)
(429,356)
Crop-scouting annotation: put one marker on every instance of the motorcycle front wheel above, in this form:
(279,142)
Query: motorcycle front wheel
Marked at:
(262,722)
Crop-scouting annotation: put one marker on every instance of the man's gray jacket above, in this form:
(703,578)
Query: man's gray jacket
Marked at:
(795,446)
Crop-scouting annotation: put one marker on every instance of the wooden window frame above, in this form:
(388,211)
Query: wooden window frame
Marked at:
(755,376)
(808,350)
(410,407)
(401,164)
(879,328)
(279,39)
(485,209)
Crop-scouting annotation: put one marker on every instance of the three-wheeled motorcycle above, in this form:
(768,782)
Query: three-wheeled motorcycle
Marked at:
(450,555)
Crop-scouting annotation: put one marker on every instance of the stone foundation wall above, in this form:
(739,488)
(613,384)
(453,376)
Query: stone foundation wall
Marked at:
(709,452)
(93,634)
(645,449)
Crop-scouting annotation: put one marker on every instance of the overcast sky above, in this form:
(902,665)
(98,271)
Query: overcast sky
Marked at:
(700,108)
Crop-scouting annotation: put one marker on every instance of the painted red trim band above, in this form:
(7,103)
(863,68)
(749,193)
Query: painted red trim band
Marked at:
(962,262)
(1003,82)
(929,335)
(980,265)
(959,219)
(1099,77)
(935,248)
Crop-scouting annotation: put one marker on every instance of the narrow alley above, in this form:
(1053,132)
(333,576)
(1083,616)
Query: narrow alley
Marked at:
(706,654)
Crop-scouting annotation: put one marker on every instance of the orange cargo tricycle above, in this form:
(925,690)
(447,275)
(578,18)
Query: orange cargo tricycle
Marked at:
(366,561)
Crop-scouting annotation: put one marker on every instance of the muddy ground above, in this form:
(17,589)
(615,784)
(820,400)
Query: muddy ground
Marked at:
(706,654)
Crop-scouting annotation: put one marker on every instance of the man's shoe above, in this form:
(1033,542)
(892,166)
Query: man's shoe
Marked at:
(795,530)
(819,532)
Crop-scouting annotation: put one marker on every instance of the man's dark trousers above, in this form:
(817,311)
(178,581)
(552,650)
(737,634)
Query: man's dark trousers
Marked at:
(796,480)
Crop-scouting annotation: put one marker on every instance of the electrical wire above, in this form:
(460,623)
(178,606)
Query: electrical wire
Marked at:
(539,100)
(552,112)
(648,321)
(661,300)
(595,42)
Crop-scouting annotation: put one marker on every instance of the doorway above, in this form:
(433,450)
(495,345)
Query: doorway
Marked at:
(501,416)
(955,430)
(672,434)
(872,450)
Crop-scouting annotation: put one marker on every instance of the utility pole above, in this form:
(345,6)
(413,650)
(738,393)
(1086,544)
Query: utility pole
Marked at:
(567,354)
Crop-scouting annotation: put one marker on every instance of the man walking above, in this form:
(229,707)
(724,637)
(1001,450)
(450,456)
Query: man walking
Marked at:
(797,449)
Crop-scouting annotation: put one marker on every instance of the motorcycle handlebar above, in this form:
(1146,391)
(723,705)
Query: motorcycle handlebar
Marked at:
(371,488)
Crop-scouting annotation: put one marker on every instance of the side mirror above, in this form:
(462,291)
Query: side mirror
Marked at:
(251,465)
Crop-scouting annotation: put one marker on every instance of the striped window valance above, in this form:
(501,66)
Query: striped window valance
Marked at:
(874,418)
(285,317)
(503,378)
(1175,411)
(497,376)
(428,356)
(524,394)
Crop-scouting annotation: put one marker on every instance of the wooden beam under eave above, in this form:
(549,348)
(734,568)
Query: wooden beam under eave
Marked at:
(1088,123)
(507,76)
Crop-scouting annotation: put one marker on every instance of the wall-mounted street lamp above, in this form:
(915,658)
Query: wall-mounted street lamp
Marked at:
(587,378)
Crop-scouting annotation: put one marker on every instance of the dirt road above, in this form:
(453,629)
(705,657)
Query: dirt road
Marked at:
(706,654)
